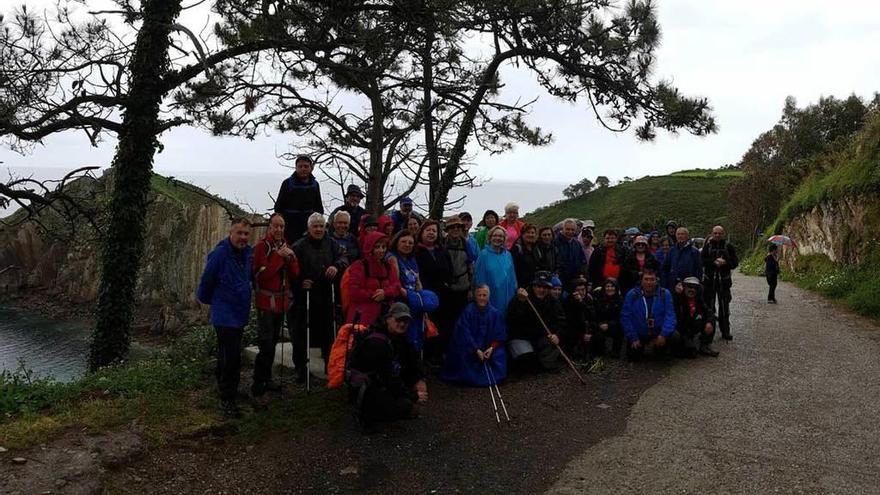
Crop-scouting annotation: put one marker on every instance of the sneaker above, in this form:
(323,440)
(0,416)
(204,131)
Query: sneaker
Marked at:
(230,409)
(707,350)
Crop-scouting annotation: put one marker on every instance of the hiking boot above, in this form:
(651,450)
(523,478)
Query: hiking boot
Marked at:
(272,386)
(301,377)
(230,409)
(707,350)
(261,402)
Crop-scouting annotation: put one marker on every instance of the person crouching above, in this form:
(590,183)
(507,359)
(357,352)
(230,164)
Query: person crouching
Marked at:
(648,318)
(386,378)
(530,346)
(477,342)
(696,322)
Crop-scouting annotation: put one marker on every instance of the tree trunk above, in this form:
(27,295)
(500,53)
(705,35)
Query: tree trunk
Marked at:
(376,184)
(427,103)
(123,243)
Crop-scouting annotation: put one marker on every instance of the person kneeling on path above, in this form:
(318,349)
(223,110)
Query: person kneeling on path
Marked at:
(478,340)
(275,268)
(530,346)
(696,321)
(385,376)
(648,318)
(226,286)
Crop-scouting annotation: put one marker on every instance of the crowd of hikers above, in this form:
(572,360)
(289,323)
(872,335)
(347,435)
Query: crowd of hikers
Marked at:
(388,298)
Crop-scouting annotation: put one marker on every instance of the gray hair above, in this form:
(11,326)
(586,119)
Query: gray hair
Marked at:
(511,207)
(497,227)
(316,218)
(341,214)
(569,221)
(482,286)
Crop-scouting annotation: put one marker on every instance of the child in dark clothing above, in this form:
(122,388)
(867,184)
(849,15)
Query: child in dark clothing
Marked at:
(771,270)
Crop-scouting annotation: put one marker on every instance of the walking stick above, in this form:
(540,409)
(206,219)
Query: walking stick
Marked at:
(308,339)
(333,313)
(497,390)
(549,333)
(494,405)
(283,321)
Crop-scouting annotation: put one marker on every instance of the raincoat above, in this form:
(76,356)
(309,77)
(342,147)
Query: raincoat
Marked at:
(476,329)
(495,270)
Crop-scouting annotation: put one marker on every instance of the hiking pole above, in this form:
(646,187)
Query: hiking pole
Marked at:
(549,333)
(308,338)
(333,312)
(497,390)
(283,321)
(494,405)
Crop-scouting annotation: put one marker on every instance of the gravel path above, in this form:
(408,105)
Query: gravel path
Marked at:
(791,406)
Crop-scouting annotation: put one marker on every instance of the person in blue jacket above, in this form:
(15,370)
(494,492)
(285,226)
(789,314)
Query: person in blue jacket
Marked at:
(479,338)
(682,261)
(648,318)
(226,286)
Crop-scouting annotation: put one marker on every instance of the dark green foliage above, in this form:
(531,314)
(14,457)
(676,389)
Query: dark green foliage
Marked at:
(133,163)
(579,189)
(695,202)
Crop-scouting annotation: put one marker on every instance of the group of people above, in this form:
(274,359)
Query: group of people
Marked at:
(469,303)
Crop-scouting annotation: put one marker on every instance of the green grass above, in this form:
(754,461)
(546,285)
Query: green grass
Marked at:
(708,173)
(696,202)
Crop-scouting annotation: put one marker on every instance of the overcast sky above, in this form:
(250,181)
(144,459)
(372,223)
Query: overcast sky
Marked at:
(745,56)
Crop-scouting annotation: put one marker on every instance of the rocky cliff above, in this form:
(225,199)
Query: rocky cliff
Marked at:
(843,229)
(183,225)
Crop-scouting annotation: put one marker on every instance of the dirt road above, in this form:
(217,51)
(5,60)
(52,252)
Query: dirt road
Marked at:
(791,406)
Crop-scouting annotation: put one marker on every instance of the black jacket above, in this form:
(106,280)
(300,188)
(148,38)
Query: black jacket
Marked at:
(315,256)
(296,201)
(355,213)
(630,275)
(435,268)
(523,324)
(390,361)
(597,262)
(525,263)
(607,309)
(579,316)
(713,250)
(689,324)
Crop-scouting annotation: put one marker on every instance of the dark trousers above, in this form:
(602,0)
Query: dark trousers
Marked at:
(673,341)
(693,338)
(772,280)
(268,333)
(228,361)
(375,404)
(720,290)
(600,338)
(546,357)
(317,320)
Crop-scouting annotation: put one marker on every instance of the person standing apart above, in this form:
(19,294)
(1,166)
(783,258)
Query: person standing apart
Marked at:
(298,198)
(226,286)
(719,258)
(771,271)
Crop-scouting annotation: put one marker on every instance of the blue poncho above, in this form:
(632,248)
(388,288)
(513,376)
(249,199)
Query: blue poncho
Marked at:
(476,329)
(496,270)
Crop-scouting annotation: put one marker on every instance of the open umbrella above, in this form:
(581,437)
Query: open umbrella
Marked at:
(781,240)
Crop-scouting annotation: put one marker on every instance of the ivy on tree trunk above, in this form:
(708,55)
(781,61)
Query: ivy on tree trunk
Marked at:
(123,243)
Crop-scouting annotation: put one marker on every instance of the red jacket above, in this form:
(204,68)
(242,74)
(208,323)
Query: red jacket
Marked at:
(366,275)
(267,275)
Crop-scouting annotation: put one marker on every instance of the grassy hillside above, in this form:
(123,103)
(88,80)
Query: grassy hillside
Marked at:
(698,202)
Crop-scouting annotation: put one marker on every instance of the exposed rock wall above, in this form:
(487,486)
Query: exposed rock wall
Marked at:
(181,230)
(842,229)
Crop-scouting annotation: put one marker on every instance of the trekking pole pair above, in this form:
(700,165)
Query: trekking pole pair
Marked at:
(490,376)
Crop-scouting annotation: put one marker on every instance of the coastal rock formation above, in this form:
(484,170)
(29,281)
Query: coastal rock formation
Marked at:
(183,225)
(841,229)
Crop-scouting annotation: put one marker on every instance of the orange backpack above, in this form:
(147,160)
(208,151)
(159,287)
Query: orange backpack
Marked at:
(339,353)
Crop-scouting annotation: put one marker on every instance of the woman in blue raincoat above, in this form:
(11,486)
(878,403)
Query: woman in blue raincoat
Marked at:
(495,270)
(478,339)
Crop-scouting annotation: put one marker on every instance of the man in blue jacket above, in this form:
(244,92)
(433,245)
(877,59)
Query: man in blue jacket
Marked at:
(682,261)
(226,287)
(648,318)
(571,260)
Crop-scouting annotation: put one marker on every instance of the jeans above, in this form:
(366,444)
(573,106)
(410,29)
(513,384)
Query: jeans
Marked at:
(714,290)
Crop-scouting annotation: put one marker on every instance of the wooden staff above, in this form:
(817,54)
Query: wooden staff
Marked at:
(549,333)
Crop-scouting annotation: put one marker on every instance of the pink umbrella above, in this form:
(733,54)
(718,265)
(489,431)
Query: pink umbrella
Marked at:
(781,240)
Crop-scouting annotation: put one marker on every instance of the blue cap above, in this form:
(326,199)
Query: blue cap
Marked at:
(556,282)
(406,200)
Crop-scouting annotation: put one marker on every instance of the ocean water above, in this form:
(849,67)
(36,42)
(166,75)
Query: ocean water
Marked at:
(255,191)
(50,348)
